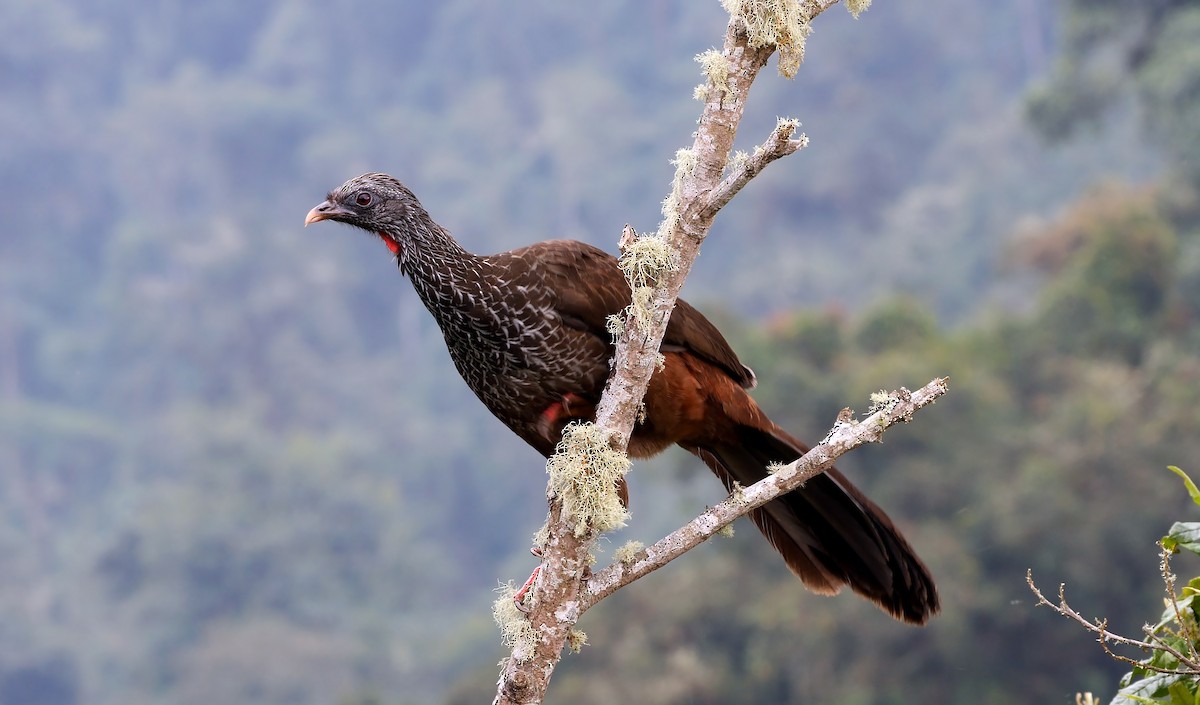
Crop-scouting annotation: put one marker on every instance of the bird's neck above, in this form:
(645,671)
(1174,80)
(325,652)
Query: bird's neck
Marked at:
(451,282)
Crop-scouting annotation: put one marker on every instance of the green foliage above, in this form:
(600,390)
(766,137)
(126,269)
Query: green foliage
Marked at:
(1109,299)
(898,322)
(1183,535)
(1192,490)
(1153,47)
(1169,81)
(1062,108)
(1162,677)
(817,339)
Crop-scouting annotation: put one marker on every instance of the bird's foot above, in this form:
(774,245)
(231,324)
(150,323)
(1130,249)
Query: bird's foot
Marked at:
(519,595)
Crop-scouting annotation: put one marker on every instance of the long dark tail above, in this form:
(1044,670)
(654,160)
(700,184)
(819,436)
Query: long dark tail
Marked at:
(827,531)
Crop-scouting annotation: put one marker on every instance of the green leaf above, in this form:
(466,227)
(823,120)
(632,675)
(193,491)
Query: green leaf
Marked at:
(1148,691)
(1162,659)
(1187,482)
(1168,616)
(1185,535)
(1182,692)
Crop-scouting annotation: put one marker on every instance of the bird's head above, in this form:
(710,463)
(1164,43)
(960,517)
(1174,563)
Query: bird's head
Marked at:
(377,203)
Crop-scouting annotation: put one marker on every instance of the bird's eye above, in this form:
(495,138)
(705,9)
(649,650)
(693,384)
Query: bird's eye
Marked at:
(363,198)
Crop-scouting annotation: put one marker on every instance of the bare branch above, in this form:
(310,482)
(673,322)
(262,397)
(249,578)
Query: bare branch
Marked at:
(1103,635)
(845,436)
(697,194)
(686,223)
(556,610)
(779,144)
(557,592)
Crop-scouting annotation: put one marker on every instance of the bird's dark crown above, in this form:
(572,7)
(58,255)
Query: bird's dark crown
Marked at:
(376,202)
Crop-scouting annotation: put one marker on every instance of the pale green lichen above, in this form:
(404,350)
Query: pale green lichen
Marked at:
(715,68)
(641,304)
(774,468)
(615,325)
(647,259)
(793,123)
(541,537)
(784,24)
(880,401)
(628,553)
(576,640)
(516,631)
(883,401)
(857,7)
(738,161)
(685,162)
(584,472)
(726,531)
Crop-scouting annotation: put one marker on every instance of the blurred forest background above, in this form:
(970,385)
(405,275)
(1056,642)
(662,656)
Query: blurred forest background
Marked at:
(236,465)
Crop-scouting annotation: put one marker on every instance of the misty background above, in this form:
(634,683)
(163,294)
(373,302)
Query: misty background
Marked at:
(236,465)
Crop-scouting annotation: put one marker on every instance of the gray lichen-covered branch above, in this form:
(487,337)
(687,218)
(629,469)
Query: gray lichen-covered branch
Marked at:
(846,435)
(744,167)
(656,266)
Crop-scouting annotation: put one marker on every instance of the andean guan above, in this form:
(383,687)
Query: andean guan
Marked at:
(526,330)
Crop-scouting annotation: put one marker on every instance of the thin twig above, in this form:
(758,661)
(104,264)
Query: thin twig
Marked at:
(845,436)
(1103,635)
(778,144)
(635,357)
(1164,567)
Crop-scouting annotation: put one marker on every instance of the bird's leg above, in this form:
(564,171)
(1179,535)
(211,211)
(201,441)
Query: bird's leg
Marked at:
(550,425)
(570,407)
(519,595)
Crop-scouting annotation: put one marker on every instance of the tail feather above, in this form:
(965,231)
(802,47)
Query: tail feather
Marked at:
(828,532)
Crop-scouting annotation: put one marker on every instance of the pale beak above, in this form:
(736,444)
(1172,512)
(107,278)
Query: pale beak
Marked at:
(325,211)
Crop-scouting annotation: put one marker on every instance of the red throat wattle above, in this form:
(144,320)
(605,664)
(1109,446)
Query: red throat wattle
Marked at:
(391,244)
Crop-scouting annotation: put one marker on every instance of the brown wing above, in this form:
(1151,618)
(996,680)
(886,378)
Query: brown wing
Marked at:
(590,287)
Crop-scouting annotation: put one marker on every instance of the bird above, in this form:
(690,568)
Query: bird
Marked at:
(526,329)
